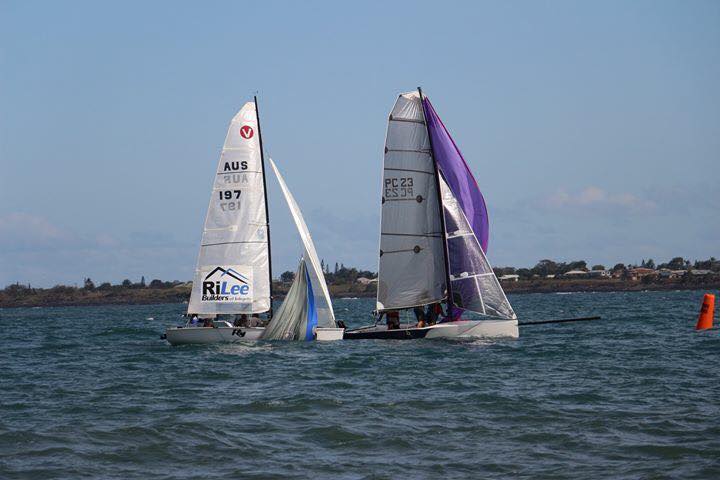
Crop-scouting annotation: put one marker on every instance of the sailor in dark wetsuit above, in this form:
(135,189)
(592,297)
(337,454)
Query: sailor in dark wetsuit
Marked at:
(241,320)
(420,317)
(434,312)
(393,320)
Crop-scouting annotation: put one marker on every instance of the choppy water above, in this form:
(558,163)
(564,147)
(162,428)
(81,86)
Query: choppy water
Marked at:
(93,393)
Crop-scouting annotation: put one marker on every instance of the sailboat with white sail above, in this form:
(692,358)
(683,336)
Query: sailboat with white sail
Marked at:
(231,297)
(434,235)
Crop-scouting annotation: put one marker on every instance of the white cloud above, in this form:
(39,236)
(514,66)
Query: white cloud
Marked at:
(596,198)
(22,231)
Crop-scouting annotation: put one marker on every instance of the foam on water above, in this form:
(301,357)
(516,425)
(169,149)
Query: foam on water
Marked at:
(94,393)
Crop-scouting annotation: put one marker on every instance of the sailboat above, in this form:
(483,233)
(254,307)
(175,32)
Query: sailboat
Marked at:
(232,292)
(434,235)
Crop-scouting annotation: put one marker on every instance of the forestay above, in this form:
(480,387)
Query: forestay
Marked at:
(473,282)
(323,304)
(411,269)
(232,273)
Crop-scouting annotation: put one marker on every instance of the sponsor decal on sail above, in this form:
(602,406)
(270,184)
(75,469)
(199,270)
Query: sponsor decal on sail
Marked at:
(247,132)
(227,284)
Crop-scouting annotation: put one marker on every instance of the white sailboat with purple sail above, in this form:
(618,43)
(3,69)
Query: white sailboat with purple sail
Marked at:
(231,298)
(434,235)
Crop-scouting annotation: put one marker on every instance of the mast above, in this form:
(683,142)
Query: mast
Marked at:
(267,214)
(446,255)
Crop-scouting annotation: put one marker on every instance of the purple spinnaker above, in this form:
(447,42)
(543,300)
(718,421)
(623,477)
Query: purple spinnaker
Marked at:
(458,175)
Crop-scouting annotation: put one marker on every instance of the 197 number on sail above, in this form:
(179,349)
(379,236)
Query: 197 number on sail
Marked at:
(229,195)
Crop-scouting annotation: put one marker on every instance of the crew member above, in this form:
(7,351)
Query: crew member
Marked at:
(393,320)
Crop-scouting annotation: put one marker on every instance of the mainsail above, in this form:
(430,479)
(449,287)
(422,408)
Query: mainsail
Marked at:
(316,278)
(411,270)
(233,268)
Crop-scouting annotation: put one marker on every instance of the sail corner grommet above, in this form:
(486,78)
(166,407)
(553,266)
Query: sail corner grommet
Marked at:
(419,199)
(417,249)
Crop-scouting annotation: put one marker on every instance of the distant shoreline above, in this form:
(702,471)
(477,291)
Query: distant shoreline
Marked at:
(70,296)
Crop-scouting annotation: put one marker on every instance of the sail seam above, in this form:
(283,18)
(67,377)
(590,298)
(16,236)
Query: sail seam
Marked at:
(475,275)
(227,243)
(238,171)
(398,251)
(408,170)
(404,150)
(433,235)
(401,199)
(407,120)
(458,235)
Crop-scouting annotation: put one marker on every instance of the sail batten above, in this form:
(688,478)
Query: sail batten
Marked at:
(233,267)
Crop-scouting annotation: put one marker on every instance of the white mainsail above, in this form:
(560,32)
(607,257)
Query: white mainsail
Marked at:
(411,270)
(322,302)
(472,281)
(233,268)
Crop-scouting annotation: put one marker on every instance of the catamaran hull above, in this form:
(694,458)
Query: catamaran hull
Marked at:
(206,335)
(458,329)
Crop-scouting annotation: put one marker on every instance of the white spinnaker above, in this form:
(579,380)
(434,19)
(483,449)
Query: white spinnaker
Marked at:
(290,320)
(412,269)
(236,227)
(323,304)
(472,281)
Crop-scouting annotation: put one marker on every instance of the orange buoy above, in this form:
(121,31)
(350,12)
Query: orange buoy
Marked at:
(705,320)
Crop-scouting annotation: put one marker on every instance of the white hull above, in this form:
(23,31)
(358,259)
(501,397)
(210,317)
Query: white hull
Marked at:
(324,334)
(458,329)
(205,335)
(475,329)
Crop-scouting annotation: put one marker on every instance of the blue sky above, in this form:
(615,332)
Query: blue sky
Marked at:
(593,128)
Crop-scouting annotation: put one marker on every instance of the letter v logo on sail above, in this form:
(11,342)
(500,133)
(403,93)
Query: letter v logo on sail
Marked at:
(246,132)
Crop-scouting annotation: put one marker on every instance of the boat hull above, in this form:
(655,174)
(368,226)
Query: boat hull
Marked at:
(458,329)
(206,335)
(324,334)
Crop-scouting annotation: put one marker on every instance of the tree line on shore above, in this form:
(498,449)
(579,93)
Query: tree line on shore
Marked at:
(546,267)
(342,275)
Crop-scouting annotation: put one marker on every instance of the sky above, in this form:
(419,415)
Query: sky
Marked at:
(592,128)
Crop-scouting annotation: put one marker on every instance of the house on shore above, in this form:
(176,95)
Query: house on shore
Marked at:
(598,274)
(575,274)
(640,272)
(509,278)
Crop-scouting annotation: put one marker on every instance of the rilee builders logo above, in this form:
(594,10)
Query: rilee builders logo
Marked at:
(232,284)
(247,132)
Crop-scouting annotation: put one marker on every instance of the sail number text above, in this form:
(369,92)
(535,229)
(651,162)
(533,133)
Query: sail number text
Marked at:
(399,187)
(229,195)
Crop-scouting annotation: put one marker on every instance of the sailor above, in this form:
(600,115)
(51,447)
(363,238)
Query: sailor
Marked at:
(194,320)
(241,320)
(393,320)
(254,320)
(420,317)
(433,313)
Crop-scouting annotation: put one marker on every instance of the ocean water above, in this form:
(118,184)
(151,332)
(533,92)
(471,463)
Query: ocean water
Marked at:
(92,392)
